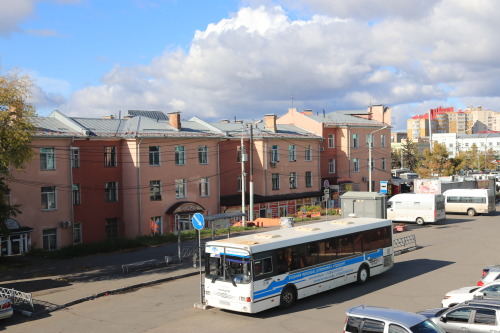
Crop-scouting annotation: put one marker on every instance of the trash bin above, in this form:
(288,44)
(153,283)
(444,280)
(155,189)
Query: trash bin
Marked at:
(286,222)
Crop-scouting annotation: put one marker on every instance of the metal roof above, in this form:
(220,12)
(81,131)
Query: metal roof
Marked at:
(345,118)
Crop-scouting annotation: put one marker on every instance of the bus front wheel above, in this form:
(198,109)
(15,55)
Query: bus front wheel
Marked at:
(471,212)
(363,274)
(288,297)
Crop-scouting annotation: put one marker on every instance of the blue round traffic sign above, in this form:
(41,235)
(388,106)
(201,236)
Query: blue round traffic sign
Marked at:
(198,221)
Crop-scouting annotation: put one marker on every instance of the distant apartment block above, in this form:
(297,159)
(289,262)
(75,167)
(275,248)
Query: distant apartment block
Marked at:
(445,120)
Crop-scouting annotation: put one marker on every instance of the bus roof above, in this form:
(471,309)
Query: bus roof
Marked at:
(269,240)
(467,191)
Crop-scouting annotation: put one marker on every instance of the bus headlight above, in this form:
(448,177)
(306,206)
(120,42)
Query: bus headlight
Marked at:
(245,299)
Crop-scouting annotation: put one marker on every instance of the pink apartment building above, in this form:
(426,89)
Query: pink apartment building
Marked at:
(344,151)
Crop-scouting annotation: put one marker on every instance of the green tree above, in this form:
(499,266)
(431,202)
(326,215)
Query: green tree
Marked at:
(436,162)
(395,158)
(411,156)
(16,132)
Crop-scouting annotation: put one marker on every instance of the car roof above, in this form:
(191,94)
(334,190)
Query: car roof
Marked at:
(397,316)
(492,303)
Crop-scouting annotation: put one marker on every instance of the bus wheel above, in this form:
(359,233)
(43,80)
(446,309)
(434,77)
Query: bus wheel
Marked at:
(288,297)
(471,212)
(420,221)
(363,274)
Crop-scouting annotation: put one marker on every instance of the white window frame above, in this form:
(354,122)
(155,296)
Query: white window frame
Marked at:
(180,155)
(180,188)
(293,180)
(75,157)
(331,165)
(275,181)
(331,141)
(155,190)
(275,153)
(292,153)
(111,191)
(47,158)
(382,140)
(355,140)
(203,154)
(49,198)
(204,187)
(154,156)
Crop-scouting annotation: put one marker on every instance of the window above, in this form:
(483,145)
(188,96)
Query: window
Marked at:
(292,153)
(47,158)
(382,140)
(204,187)
(355,141)
(49,198)
(203,154)
(459,315)
(180,188)
(355,164)
(309,179)
(111,191)
(50,239)
(383,165)
(293,180)
(276,181)
(75,157)
(180,155)
(77,233)
(155,190)
(372,326)
(369,140)
(393,328)
(262,267)
(154,155)
(155,225)
(331,141)
(76,194)
(275,154)
(308,153)
(331,165)
(485,317)
(110,156)
(111,228)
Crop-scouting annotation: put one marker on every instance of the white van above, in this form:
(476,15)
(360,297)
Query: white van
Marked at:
(416,207)
(470,201)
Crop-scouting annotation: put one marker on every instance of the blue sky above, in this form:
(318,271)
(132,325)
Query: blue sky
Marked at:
(225,58)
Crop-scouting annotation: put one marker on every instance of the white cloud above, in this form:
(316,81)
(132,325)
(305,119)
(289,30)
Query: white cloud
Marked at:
(410,55)
(12,12)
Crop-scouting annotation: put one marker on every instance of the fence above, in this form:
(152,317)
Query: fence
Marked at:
(17,297)
(405,244)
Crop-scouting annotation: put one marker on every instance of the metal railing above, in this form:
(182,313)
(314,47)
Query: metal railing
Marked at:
(17,297)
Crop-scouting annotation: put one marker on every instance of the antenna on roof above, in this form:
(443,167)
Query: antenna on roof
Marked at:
(292,100)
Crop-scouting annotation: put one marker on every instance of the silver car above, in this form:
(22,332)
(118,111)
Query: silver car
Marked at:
(373,319)
(477,316)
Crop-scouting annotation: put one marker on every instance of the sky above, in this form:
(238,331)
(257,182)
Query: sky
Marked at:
(227,59)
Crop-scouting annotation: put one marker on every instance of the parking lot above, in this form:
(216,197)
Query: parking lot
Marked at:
(453,254)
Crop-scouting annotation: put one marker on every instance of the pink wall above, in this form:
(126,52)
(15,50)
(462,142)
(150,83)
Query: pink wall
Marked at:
(27,193)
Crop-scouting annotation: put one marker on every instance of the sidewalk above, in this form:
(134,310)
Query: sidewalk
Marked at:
(55,284)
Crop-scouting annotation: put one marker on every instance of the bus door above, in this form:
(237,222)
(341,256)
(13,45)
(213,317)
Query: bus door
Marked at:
(264,271)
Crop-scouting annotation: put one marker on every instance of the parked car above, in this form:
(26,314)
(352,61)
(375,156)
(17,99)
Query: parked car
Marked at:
(454,297)
(490,274)
(6,310)
(477,316)
(372,319)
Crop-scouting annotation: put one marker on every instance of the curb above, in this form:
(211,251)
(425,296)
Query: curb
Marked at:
(101,294)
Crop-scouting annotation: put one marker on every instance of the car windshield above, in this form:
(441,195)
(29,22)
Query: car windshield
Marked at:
(426,327)
(229,268)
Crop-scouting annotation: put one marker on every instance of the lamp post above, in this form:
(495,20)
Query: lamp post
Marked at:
(370,158)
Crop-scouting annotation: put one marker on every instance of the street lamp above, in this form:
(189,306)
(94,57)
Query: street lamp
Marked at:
(370,158)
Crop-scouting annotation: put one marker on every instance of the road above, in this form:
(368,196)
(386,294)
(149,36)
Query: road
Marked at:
(453,255)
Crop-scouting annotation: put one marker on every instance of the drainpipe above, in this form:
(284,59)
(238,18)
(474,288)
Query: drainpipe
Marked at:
(218,177)
(71,192)
(349,150)
(139,201)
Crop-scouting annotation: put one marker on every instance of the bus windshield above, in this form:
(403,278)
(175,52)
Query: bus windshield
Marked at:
(230,268)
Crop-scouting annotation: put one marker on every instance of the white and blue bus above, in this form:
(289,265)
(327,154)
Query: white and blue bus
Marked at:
(259,271)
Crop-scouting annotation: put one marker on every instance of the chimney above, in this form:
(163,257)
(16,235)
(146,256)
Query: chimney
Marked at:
(225,121)
(308,112)
(111,116)
(174,120)
(270,122)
